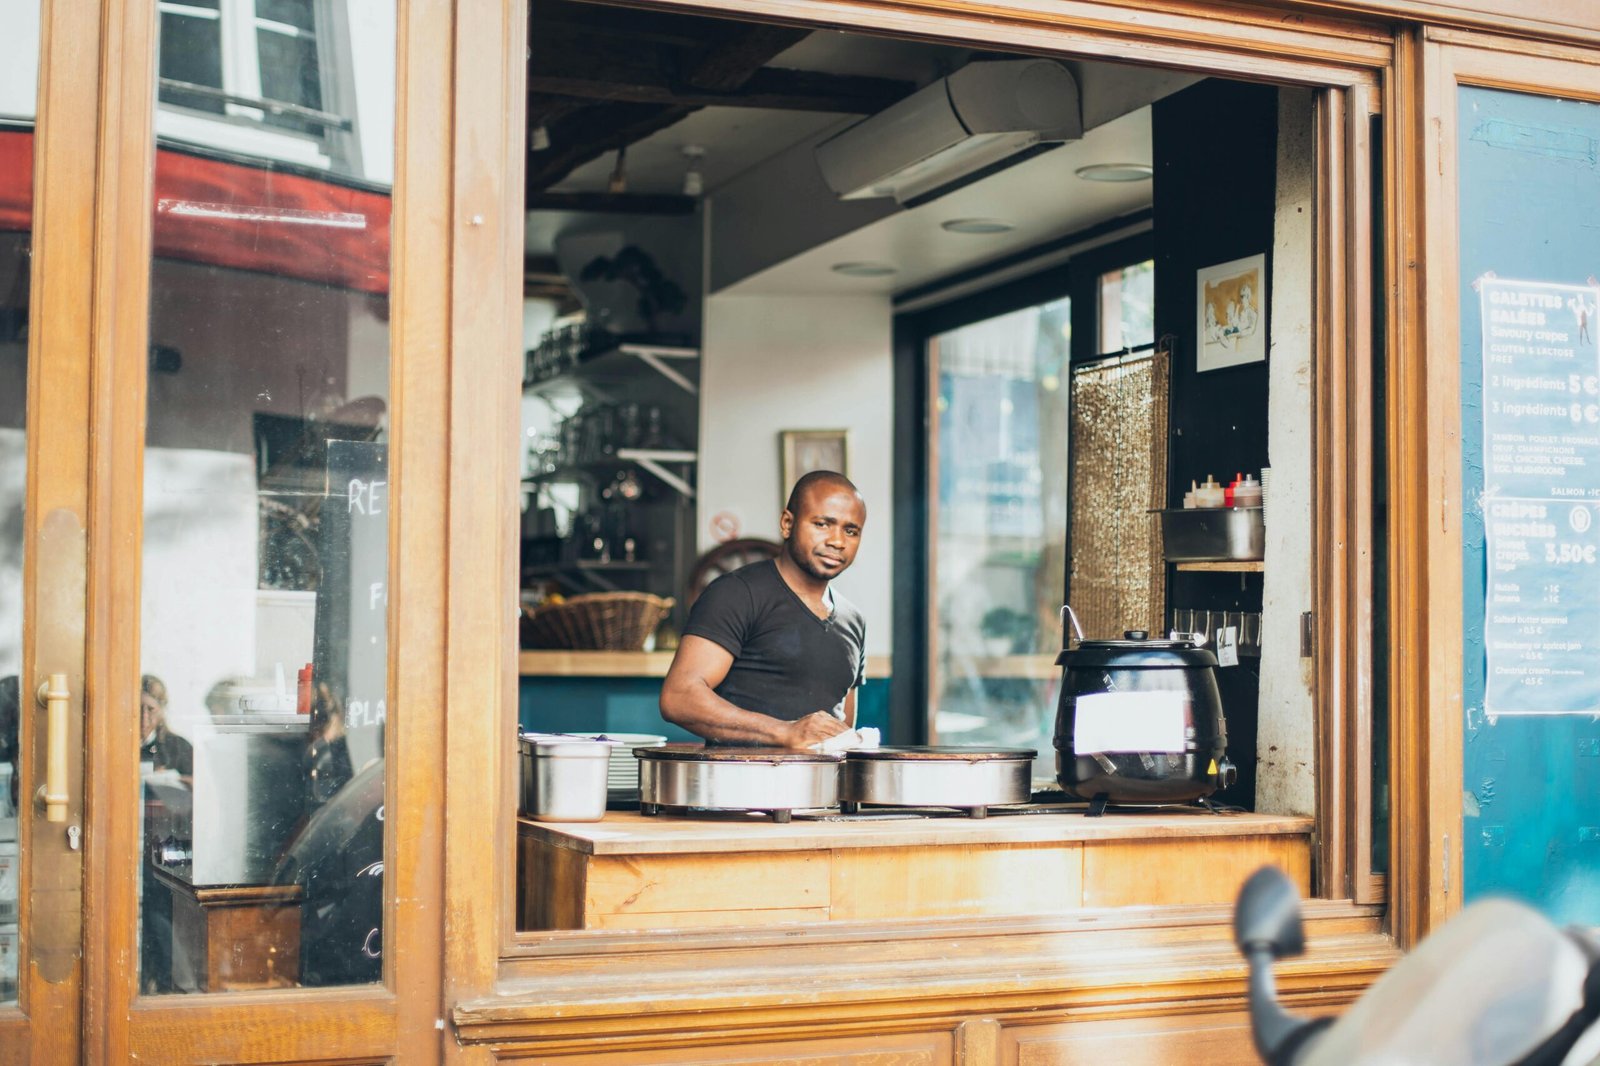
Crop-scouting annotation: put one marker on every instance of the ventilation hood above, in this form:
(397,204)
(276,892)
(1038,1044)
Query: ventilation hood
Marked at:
(984,117)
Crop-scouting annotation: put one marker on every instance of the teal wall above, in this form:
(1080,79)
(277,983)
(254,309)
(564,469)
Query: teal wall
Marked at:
(632,705)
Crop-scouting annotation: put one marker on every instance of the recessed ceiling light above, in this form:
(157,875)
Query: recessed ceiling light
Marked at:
(863,270)
(978,225)
(1116,172)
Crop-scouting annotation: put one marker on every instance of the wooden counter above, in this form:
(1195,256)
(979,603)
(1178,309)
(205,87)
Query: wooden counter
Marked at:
(735,869)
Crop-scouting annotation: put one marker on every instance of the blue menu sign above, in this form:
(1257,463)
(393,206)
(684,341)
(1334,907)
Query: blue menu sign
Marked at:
(1541,432)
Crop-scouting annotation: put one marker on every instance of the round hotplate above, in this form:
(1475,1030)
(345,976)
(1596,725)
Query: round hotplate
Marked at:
(962,752)
(729,753)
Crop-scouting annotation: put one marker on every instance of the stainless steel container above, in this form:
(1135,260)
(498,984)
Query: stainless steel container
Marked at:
(1206,534)
(564,778)
(740,779)
(970,778)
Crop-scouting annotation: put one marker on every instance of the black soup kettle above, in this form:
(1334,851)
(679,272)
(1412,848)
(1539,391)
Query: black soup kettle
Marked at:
(1139,721)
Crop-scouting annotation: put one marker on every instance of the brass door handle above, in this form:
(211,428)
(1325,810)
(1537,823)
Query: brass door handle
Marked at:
(53,697)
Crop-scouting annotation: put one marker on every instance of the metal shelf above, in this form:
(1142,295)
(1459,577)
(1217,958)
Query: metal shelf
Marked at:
(615,365)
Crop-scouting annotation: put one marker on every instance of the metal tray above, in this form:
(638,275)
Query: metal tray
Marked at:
(1212,534)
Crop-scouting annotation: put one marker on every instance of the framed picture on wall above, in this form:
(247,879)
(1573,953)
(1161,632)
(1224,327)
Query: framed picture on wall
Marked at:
(1231,313)
(805,450)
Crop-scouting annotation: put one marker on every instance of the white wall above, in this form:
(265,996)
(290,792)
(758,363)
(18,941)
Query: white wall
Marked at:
(1286,734)
(19,58)
(771,363)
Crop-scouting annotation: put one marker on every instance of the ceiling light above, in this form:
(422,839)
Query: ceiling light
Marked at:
(977,225)
(863,270)
(539,139)
(619,174)
(1116,172)
(694,183)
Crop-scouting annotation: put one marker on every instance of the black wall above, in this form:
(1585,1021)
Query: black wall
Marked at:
(1215,146)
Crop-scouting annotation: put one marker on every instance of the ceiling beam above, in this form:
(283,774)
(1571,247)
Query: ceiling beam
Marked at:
(589,133)
(613,203)
(772,89)
(731,60)
(728,64)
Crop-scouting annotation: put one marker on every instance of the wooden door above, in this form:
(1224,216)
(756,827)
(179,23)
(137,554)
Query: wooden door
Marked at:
(1506,766)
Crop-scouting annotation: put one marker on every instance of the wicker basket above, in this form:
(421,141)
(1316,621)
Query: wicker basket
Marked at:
(595,621)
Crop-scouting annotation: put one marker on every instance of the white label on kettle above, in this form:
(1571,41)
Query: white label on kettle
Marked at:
(1130,721)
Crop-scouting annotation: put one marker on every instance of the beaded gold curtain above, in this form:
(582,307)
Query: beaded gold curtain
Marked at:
(1119,473)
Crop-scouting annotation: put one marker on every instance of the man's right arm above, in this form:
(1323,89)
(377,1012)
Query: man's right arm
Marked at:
(689,699)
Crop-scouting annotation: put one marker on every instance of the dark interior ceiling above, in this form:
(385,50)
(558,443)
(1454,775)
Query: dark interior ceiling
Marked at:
(601,78)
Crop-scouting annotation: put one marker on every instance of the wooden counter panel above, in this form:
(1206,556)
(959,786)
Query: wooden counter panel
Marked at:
(630,833)
(645,885)
(898,1049)
(1181,873)
(1182,1040)
(750,872)
(956,881)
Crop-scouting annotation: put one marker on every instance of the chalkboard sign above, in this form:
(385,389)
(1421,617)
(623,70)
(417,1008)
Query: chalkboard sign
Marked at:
(1541,462)
(352,646)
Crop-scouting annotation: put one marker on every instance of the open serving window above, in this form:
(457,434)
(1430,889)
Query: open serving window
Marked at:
(1036,305)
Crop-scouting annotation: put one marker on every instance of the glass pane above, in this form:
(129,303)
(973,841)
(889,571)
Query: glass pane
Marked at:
(1128,307)
(999,530)
(191,53)
(1530,386)
(289,69)
(296,13)
(264,639)
(19,77)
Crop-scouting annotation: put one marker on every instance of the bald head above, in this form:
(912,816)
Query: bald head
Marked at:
(820,481)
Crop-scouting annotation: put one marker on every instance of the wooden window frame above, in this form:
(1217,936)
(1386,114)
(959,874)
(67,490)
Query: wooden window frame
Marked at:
(1349,62)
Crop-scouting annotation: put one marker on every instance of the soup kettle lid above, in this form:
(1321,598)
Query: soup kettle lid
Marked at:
(1137,650)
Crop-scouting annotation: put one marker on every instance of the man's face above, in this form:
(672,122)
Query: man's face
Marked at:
(149,714)
(822,539)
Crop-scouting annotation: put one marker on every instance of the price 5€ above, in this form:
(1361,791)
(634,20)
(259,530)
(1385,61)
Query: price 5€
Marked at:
(1567,552)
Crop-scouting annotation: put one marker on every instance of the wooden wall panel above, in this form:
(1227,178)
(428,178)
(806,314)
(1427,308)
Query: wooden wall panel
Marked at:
(1180,873)
(661,884)
(956,881)
(904,1049)
(1203,1040)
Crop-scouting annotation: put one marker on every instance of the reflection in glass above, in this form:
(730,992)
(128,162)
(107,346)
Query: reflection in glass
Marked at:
(19,76)
(1128,308)
(265,568)
(1000,472)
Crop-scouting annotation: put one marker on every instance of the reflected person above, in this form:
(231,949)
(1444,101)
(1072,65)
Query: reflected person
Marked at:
(162,748)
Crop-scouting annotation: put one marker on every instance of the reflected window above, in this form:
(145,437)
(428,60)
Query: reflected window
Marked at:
(265,77)
(999,467)
(1128,308)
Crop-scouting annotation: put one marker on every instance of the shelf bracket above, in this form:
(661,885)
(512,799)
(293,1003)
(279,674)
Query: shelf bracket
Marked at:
(656,359)
(669,477)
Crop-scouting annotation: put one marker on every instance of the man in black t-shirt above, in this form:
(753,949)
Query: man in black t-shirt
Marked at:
(771,655)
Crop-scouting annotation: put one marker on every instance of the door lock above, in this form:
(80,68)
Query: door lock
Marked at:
(74,837)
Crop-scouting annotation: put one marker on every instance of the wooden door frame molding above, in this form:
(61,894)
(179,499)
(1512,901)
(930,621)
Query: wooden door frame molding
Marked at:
(357,1023)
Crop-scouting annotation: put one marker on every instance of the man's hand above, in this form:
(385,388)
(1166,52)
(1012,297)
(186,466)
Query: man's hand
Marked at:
(814,727)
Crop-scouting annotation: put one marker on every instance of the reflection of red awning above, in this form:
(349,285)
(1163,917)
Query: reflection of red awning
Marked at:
(16,181)
(234,215)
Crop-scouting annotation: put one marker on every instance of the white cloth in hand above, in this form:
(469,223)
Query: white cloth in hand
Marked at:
(849,740)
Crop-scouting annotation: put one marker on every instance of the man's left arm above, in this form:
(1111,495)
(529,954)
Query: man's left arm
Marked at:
(850,709)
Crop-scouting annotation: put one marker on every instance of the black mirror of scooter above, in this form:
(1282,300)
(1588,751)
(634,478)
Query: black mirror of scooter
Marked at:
(1266,926)
(1267,915)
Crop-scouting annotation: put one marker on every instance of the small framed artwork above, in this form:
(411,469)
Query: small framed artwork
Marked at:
(805,450)
(1231,313)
